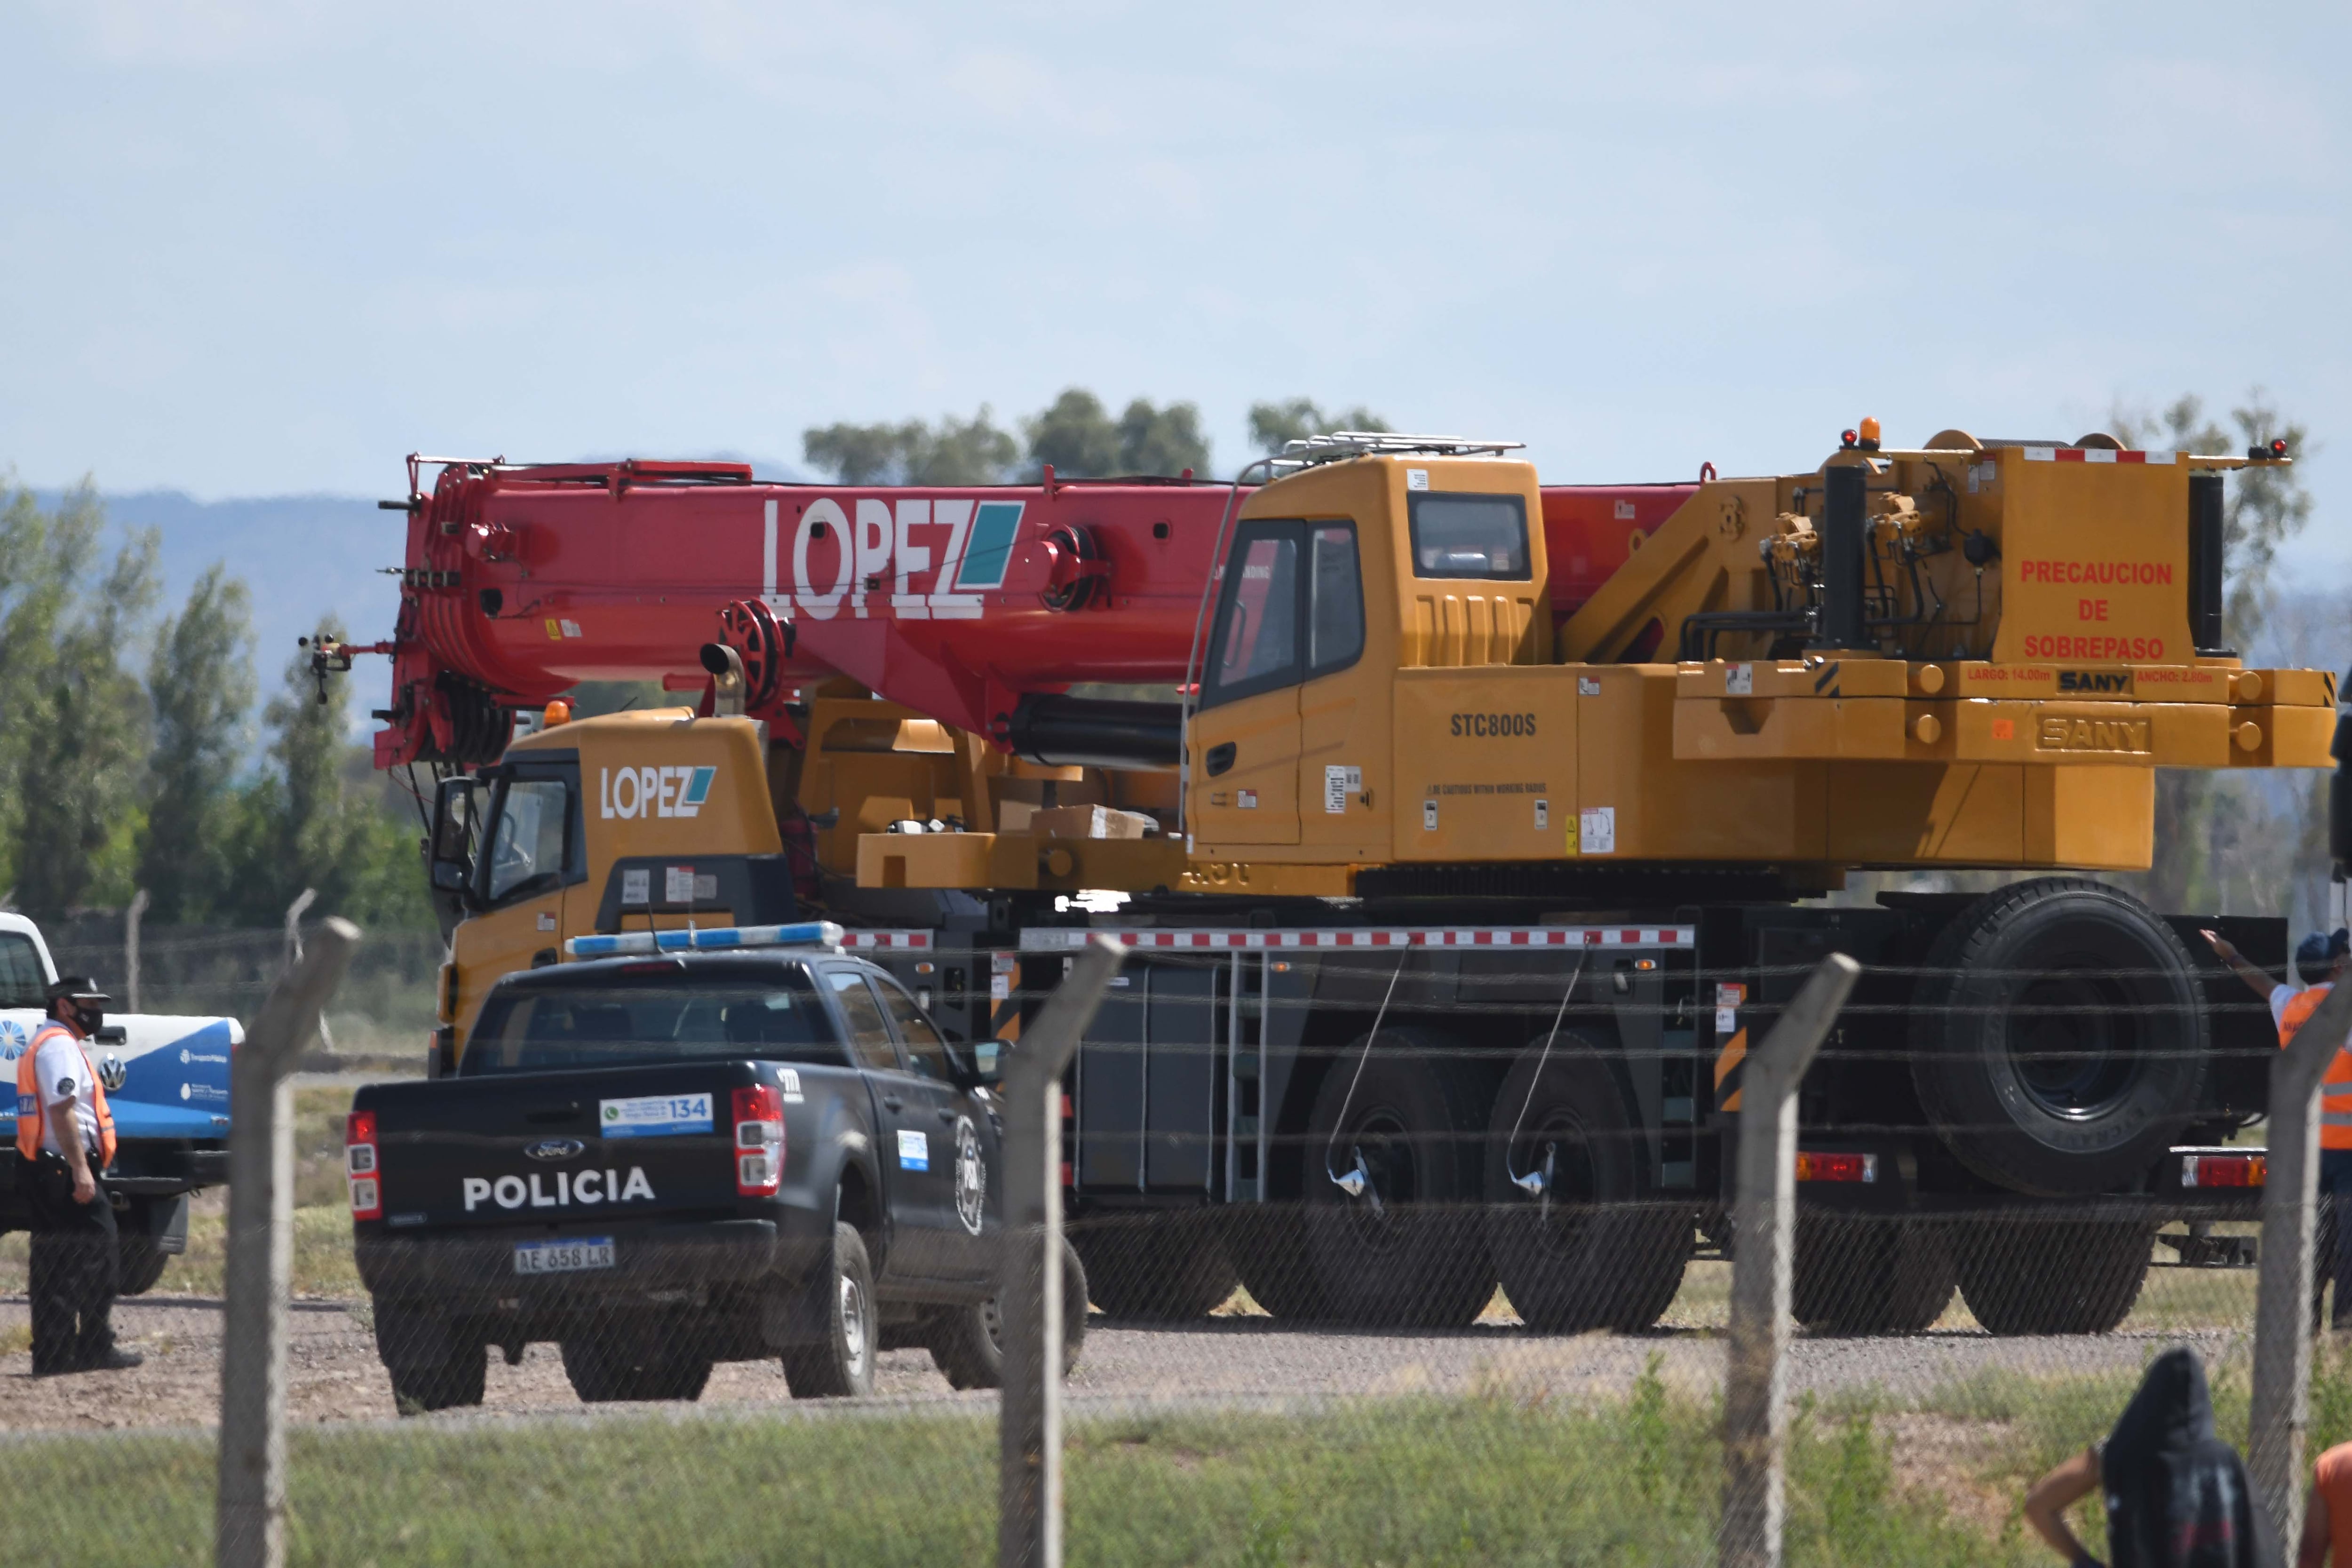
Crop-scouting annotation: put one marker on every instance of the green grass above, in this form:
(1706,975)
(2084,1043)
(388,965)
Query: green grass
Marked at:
(1396,1481)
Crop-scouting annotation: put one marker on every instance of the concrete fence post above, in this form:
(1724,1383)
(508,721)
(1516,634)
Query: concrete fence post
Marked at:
(2282,1392)
(249,1523)
(1029,1420)
(1764,1212)
(131,918)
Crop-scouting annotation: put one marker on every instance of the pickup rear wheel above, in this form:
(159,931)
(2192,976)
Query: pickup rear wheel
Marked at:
(636,1358)
(1576,1246)
(968,1342)
(840,1364)
(432,1364)
(1391,1183)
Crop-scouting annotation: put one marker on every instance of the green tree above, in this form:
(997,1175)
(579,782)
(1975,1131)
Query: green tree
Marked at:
(1274,425)
(955,452)
(303,824)
(72,722)
(200,686)
(1079,438)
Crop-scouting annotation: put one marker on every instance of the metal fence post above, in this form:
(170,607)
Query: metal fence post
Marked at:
(249,1523)
(1754,1404)
(2282,1394)
(131,918)
(1029,1419)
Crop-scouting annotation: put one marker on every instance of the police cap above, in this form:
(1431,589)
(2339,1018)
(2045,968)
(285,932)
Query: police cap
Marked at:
(77,988)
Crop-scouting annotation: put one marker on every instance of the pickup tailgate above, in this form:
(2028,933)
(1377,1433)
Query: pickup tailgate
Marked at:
(562,1148)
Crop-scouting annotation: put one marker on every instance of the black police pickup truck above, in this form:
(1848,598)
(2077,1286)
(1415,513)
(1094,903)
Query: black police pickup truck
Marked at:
(671,1158)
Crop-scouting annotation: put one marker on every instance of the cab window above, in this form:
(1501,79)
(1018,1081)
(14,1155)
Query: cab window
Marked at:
(22,984)
(869,1036)
(1470,536)
(1336,619)
(1292,605)
(532,843)
(927,1053)
(1256,646)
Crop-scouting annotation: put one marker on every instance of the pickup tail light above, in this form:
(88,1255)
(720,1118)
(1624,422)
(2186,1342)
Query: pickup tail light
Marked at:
(360,1161)
(2224,1170)
(1812,1167)
(759,1141)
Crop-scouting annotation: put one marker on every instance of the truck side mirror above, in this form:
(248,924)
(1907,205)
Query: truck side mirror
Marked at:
(449,851)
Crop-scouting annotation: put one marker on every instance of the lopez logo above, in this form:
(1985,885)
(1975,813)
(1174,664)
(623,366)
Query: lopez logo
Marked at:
(963,547)
(652,792)
(553,1149)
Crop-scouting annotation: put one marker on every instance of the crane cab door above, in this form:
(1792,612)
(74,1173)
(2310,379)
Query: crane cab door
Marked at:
(1275,741)
(531,857)
(1244,739)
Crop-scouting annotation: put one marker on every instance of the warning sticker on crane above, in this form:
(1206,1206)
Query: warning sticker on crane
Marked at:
(1596,830)
(1339,783)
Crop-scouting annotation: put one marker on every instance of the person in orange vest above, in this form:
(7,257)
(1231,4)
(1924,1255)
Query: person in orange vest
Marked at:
(2327,1514)
(2319,962)
(65,1135)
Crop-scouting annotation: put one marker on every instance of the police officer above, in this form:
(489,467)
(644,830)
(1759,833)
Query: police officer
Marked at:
(65,1134)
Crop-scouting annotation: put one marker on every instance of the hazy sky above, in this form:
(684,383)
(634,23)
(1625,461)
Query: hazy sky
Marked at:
(255,247)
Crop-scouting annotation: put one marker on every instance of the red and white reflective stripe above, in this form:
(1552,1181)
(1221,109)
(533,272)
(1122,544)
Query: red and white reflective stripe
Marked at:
(1061,940)
(2097,455)
(857,938)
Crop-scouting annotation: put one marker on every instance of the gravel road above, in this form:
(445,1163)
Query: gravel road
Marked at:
(334,1375)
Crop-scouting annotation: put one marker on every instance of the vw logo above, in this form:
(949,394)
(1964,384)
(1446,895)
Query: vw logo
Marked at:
(970,1176)
(555,1149)
(112,1072)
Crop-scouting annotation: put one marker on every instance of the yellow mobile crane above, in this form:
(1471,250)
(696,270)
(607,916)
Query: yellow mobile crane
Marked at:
(1461,760)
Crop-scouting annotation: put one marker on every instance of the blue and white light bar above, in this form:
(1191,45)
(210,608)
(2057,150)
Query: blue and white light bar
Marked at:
(715,939)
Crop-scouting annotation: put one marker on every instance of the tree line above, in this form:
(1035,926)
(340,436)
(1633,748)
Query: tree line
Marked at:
(127,746)
(1077,436)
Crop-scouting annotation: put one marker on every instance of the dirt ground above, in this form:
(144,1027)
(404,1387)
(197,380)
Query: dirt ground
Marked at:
(333,1373)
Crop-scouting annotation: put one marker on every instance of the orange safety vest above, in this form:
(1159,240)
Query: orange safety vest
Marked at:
(29,1115)
(2336,1088)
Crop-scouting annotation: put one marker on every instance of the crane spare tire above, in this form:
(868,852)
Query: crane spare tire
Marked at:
(2059,1041)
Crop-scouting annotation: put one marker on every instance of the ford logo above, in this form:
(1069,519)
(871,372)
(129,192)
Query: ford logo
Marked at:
(556,1149)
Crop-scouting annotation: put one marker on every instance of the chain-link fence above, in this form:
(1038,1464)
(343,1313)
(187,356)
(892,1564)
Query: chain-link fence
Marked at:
(1405,1259)
(382,1015)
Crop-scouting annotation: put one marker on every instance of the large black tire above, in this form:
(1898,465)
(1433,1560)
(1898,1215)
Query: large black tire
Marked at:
(1268,1246)
(634,1359)
(431,1364)
(142,1263)
(1590,1250)
(2053,1276)
(1867,1275)
(2059,1037)
(838,1363)
(1406,1252)
(967,1343)
(1161,1267)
